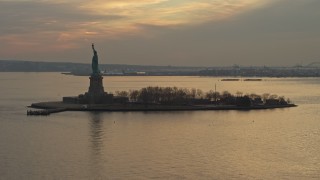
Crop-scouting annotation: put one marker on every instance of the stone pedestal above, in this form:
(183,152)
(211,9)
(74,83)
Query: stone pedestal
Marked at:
(95,94)
(96,91)
(96,85)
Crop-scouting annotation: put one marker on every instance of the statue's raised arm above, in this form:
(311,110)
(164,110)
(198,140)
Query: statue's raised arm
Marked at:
(93,48)
(95,65)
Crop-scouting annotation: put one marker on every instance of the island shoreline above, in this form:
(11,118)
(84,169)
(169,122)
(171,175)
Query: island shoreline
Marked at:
(59,106)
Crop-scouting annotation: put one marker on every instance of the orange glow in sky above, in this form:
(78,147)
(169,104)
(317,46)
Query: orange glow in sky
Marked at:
(202,30)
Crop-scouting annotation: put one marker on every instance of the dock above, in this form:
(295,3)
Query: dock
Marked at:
(44,112)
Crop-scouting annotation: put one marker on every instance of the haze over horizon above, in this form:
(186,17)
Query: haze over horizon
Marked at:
(162,32)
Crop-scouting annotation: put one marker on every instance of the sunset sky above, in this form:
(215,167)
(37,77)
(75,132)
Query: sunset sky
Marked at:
(162,32)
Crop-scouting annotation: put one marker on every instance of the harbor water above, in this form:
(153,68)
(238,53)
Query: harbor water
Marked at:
(263,144)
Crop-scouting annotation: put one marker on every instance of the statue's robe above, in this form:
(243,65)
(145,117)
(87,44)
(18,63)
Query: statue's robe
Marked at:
(95,68)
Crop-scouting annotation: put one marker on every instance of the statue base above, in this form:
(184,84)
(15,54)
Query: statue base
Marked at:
(95,94)
(96,85)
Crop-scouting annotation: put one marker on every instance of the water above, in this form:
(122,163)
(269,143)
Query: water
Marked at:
(265,144)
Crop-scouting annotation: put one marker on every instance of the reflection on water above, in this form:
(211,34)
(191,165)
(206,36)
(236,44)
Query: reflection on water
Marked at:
(96,132)
(96,145)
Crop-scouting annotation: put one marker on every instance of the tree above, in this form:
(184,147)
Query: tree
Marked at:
(122,93)
(226,94)
(199,93)
(273,96)
(265,96)
(212,95)
(193,93)
(143,95)
(243,101)
(254,96)
(133,95)
(239,94)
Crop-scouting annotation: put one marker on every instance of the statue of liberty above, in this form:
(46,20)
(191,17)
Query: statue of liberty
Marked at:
(95,64)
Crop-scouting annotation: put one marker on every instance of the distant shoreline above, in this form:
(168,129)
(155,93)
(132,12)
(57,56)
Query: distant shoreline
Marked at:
(82,69)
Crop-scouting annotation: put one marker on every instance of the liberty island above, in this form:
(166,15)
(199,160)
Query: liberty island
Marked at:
(154,99)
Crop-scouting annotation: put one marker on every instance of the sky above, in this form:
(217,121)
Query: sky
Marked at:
(162,32)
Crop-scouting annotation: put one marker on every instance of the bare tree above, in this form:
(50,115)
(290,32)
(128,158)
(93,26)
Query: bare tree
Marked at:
(133,95)
(122,93)
(239,94)
(200,93)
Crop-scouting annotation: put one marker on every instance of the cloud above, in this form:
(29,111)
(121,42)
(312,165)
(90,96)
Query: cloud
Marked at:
(275,34)
(176,32)
(30,16)
(166,12)
(28,25)
(106,16)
